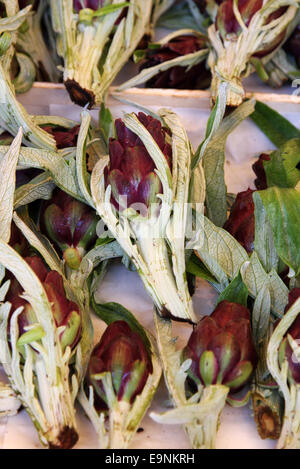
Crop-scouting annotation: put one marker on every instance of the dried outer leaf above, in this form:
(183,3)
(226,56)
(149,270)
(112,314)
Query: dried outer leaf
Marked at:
(225,257)
(14,21)
(41,187)
(290,434)
(177,227)
(213,164)
(38,241)
(31,41)
(26,75)
(8,165)
(255,277)
(81,162)
(13,116)
(267,407)
(218,246)
(61,170)
(9,403)
(213,123)
(267,402)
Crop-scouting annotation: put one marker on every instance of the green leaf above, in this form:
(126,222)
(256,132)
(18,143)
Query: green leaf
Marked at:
(41,187)
(236,292)
(110,9)
(107,123)
(261,315)
(273,125)
(111,312)
(283,168)
(139,55)
(259,68)
(263,240)
(283,211)
(179,16)
(5,42)
(214,159)
(195,267)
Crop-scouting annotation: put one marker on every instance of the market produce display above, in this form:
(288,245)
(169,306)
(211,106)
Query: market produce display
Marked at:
(78,196)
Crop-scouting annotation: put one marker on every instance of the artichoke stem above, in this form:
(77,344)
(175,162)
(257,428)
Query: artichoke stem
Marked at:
(267,408)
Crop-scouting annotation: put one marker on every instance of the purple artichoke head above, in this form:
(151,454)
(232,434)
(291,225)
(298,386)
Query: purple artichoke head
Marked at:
(241,221)
(70,225)
(64,138)
(91,4)
(122,352)
(226,22)
(259,170)
(196,77)
(131,172)
(221,348)
(65,313)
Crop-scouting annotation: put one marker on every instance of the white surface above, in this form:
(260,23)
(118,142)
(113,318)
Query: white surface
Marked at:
(237,428)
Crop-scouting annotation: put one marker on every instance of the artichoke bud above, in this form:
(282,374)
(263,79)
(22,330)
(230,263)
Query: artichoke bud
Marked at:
(131,174)
(65,312)
(71,226)
(122,353)
(221,348)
